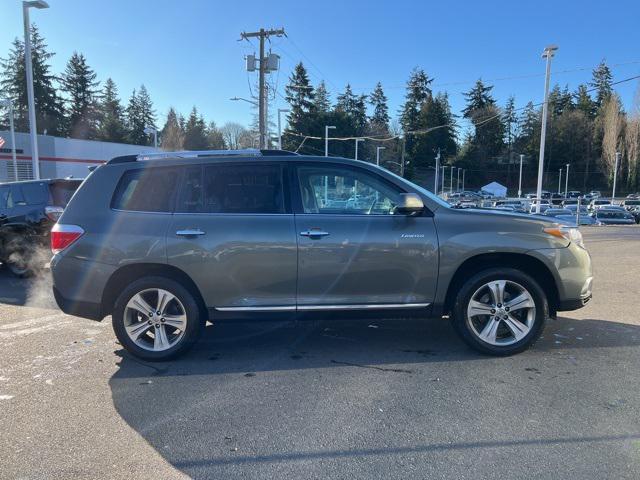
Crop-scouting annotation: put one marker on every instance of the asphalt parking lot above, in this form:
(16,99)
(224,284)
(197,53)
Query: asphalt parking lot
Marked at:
(327,399)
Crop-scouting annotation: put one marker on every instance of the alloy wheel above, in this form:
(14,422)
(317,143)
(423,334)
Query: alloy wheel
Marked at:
(501,312)
(155,319)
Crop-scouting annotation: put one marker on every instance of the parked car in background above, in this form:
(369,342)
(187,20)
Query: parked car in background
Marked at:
(574,194)
(598,203)
(516,204)
(630,204)
(595,194)
(633,195)
(556,199)
(554,212)
(612,216)
(636,213)
(569,201)
(28,210)
(544,205)
(163,244)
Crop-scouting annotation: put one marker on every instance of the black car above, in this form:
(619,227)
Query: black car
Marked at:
(28,210)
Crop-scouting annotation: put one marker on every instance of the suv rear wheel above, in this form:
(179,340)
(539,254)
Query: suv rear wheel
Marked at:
(157,319)
(500,311)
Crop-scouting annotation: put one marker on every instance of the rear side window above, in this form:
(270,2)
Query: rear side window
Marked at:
(4,196)
(232,189)
(61,192)
(147,190)
(34,193)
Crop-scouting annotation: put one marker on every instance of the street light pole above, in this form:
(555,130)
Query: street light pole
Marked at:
(458,180)
(358,140)
(378,154)
(30,96)
(443,175)
(548,54)
(566,182)
(559,181)
(615,176)
(463,172)
(520,179)
(7,103)
(152,130)
(451,185)
(326,139)
(435,183)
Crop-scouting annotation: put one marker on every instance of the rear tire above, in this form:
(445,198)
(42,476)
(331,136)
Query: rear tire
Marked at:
(497,323)
(170,328)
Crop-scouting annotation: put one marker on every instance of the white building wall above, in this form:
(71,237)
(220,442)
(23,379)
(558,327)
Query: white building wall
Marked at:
(60,157)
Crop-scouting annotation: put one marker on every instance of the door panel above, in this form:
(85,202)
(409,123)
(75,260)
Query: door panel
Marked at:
(232,235)
(366,260)
(367,253)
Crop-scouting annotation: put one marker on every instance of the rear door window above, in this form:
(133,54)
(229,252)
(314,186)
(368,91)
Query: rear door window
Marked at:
(61,192)
(4,196)
(234,189)
(147,190)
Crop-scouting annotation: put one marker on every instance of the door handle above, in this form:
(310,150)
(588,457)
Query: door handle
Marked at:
(314,233)
(190,232)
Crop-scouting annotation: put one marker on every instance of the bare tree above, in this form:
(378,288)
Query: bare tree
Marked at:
(234,135)
(632,142)
(612,140)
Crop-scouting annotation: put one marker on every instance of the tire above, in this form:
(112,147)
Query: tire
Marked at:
(180,323)
(518,326)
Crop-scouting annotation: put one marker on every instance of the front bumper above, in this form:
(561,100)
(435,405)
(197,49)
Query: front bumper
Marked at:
(571,267)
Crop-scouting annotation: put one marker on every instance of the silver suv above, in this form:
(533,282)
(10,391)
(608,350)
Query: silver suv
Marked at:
(163,243)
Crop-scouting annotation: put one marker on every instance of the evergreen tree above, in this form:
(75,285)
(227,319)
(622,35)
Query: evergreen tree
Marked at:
(140,115)
(215,139)
(195,132)
(438,132)
(111,126)
(379,120)
(601,80)
(418,91)
(300,96)
(583,101)
(482,111)
(346,101)
(172,135)
(322,101)
(49,109)
(510,120)
(560,100)
(528,141)
(81,88)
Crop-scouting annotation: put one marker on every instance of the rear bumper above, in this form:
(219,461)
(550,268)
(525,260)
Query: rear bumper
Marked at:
(88,310)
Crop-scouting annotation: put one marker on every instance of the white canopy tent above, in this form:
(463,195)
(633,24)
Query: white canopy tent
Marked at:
(495,189)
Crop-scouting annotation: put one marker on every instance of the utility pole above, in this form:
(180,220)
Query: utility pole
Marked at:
(402,160)
(262,63)
(463,172)
(548,54)
(566,182)
(435,184)
(615,176)
(451,186)
(443,175)
(520,179)
(458,180)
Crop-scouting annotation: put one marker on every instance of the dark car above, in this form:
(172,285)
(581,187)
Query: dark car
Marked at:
(556,199)
(28,210)
(614,216)
(165,243)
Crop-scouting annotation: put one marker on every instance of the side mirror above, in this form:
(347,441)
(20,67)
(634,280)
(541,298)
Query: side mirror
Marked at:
(410,204)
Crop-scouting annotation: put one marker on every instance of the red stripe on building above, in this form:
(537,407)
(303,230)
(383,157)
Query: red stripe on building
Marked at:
(53,159)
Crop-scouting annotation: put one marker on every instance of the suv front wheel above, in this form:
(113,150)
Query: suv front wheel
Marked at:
(157,319)
(500,311)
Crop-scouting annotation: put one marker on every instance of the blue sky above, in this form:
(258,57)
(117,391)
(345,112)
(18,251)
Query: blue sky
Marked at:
(186,52)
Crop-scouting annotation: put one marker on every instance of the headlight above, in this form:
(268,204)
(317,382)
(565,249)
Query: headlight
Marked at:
(569,233)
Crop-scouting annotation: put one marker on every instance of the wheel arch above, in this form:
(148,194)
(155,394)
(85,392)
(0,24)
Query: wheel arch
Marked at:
(130,273)
(521,261)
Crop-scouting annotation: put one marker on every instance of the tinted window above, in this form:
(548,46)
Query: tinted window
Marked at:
(34,193)
(346,191)
(147,190)
(232,189)
(4,195)
(61,192)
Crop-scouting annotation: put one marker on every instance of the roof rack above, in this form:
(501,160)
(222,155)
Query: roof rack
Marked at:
(249,152)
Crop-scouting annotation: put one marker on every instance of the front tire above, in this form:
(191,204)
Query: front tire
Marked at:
(500,311)
(157,319)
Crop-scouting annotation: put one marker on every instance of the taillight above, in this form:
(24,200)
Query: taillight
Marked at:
(53,213)
(64,235)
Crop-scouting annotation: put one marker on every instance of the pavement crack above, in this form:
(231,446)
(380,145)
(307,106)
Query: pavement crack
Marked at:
(373,367)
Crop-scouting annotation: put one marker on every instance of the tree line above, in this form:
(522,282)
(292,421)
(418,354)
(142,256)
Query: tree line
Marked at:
(75,104)
(585,129)
(586,126)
